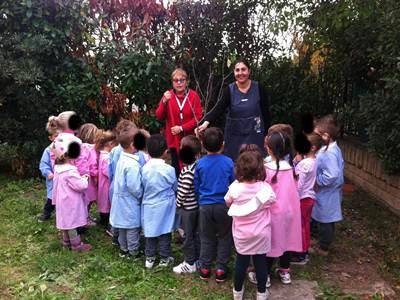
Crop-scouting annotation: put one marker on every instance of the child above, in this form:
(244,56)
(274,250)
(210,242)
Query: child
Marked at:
(214,173)
(68,192)
(285,213)
(46,168)
(159,186)
(249,199)
(306,170)
(327,210)
(105,141)
(187,205)
(125,207)
(87,133)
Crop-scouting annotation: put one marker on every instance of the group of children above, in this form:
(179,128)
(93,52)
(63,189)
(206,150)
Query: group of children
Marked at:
(262,205)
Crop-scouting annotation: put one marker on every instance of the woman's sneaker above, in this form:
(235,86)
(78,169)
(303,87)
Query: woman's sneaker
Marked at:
(166,261)
(285,277)
(184,268)
(150,262)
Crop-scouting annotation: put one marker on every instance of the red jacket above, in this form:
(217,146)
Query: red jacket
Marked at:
(171,113)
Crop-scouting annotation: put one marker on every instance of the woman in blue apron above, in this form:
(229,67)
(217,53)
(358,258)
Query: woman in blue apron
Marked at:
(248,116)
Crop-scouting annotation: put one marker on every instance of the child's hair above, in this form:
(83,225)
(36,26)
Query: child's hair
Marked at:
(59,123)
(285,128)
(156,145)
(87,133)
(190,149)
(124,125)
(103,137)
(126,136)
(250,164)
(280,146)
(213,139)
(315,140)
(328,124)
(140,139)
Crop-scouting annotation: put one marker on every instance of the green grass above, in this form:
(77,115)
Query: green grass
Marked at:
(34,265)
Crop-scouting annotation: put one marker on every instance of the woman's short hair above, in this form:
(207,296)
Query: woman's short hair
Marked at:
(178,71)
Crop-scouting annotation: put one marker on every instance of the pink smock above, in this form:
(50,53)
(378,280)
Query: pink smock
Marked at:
(103,196)
(285,212)
(68,195)
(250,210)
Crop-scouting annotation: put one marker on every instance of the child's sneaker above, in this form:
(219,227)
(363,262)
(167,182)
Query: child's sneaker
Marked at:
(184,268)
(301,259)
(262,296)
(220,275)
(43,218)
(285,277)
(165,261)
(253,279)
(134,254)
(205,273)
(150,262)
(238,295)
(123,253)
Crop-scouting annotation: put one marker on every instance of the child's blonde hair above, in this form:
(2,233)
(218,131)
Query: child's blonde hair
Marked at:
(103,137)
(87,133)
(57,124)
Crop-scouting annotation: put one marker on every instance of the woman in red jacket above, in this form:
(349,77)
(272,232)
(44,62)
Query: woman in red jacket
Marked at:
(181,108)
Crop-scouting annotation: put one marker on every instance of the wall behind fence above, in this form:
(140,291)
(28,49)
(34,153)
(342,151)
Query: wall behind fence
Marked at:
(364,169)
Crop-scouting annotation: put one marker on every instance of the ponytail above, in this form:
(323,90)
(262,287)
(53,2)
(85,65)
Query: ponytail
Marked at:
(275,177)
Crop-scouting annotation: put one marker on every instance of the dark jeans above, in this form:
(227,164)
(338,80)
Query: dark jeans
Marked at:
(284,261)
(191,243)
(326,234)
(260,264)
(48,208)
(175,161)
(215,235)
(164,245)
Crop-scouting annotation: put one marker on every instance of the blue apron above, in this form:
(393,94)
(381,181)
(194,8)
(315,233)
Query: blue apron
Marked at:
(244,122)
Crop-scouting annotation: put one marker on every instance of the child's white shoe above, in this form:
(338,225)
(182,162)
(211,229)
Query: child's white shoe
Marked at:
(166,261)
(184,268)
(150,262)
(253,279)
(263,296)
(285,277)
(238,295)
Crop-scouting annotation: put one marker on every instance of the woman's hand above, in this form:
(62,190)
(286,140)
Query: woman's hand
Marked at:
(201,128)
(166,97)
(176,130)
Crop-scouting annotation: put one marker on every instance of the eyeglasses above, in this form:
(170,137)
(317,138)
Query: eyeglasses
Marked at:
(180,80)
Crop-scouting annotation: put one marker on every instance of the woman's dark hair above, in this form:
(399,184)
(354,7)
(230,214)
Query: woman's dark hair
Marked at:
(250,164)
(156,145)
(213,139)
(280,145)
(243,61)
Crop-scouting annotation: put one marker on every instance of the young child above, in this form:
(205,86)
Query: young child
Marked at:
(68,192)
(214,173)
(125,206)
(158,205)
(46,168)
(285,213)
(187,205)
(327,210)
(105,141)
(249,198)
(306,170)
(87,133)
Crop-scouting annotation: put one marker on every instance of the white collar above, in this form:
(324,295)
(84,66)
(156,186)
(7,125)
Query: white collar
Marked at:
(104,152)
(283,165)
(156,161)
(64,168)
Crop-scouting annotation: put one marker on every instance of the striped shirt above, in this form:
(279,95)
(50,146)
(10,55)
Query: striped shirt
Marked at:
(186,197)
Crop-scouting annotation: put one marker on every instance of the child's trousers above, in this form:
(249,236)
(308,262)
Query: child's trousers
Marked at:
(284,261)
(326,233)
(215,235)
(261,267)
(164,244)
(48,208)
(191,243)
(129,239)
(306,205)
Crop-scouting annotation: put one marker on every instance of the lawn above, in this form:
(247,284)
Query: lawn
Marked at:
(34,265)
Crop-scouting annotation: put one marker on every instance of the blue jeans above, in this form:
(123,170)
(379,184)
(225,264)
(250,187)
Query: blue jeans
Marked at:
(129,239)
(164,244)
